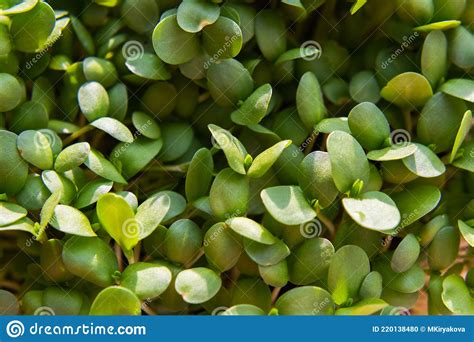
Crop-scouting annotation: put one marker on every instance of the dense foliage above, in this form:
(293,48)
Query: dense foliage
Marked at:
(309,157)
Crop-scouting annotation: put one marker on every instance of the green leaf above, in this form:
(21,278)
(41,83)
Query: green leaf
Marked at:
(91,192)
(72,156)
(14,170)
(333,124)
(83,35)
(146,280)
(266,255)
(58,183)
(251,230)
(357,6)
(183,241)
(310,261)
(71,221)
(309,100)
(348,268)
(115,301)
(394,152)
(270,33)
(466,159)
(444,249)
(114,128)
(424,162)
(31,29)
(93,100)
(407,90)
(91,259)
(348,160)
(463,131)
(461,45)
(441,25)
(151,213)
(199,175)
(167,36)
(194,15)
(372,286)
(275,275)
(315,178)
(369,125)
(11,91)
(229,194)
(415,201)
(373,210)
(97,163)
(254,108)
(305,300)
(222,39)
(364,87)
(146,125)
(309,52)
(406,254)
(148,66)
(467,232)
(35,148)
(222,247)
(287,204)
(47,212)
(9,305)
(135,156)
(229,82)
(265,160)
(17,7)
(197,285)
(456,296)
(434,57)
(409,281)
(243,310)
(118,219)
(365,307)
(100,70)
(233,149)
(177,139)
(439,121)
(24,224)
(11,212)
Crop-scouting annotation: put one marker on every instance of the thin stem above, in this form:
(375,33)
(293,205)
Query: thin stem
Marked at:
(118,255)
(275,293)
(149,311)
(327,222)
(11,285)
(77,134)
